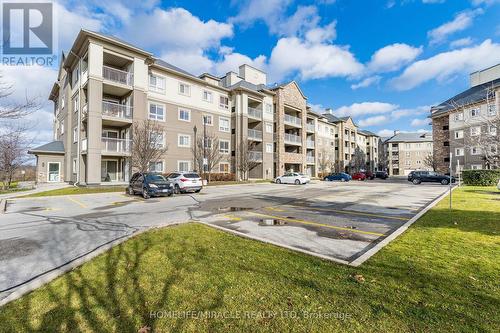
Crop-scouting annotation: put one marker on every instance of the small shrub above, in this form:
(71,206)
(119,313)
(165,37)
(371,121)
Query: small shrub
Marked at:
(222,177)
(481,177)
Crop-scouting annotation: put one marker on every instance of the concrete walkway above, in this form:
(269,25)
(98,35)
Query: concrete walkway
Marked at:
(39,188)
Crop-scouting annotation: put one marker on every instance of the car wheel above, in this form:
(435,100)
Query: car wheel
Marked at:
(278,181)
(177,189)
(145,193)
(197,191)
(445,182)
(297,182)
(130,190)
(170,194)
(342,180)
(416,181)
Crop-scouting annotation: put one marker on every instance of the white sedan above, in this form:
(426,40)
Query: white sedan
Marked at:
(293,178)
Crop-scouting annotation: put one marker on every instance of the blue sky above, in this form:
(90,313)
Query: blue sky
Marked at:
(385,62)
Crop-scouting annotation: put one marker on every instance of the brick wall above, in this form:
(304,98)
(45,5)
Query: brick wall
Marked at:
(440,137)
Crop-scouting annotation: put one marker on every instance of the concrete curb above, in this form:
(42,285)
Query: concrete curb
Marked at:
(78,261)
(368,254)
(3,205)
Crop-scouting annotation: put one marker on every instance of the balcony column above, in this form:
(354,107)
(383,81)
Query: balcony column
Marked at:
(94,131)
(280,132)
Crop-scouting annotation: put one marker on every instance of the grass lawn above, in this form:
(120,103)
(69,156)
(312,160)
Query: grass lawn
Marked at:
(438,276)
(76,190)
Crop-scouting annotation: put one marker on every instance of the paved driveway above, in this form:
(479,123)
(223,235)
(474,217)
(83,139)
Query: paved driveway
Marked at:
(336,220)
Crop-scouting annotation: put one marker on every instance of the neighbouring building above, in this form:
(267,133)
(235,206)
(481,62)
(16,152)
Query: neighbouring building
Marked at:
(407,152)
(105,86)
(466,126)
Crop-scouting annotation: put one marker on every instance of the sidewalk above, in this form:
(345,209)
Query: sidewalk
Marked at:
(39,188)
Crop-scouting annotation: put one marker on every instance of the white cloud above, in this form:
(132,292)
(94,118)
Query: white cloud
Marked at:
(485,2)
(365,108)
(419,110)
(393,57)
(372,121)
(385,133)
(461,22)
(388,133)
(433,1)
(366,82)
(444,65)
(419,122)
(461,42)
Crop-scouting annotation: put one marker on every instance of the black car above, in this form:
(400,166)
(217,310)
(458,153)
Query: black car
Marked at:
(149,184)
(417,177)
(381,175)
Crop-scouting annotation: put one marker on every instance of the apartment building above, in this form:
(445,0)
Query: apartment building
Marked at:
(466,125)
(369,144)
(407,152)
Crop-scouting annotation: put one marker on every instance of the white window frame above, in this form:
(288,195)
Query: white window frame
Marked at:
(156,87)
(179,166)
(184,93)
(473,133)
(48,172)
(156,116)
(459,152)
(408,154)
(225,129)
(476,166)
(211,119)
(62,126)
(492,130)
(179,136)
(163,139)
(222,105)
(459,134)
(269,126)
(492,110)
(475,112)
(155,164)
(76,103)
(224,151)
(269,108)
(459,116)
(184,110)
(228,167)
(207,96)
(269,148)
(476,149)
(74,165)
(407,163)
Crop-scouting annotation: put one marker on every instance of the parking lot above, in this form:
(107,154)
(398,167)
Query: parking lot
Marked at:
(337,221)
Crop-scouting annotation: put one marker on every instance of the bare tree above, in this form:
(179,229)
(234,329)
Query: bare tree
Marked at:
(246,160)
(430,162)
(326,162)
(209,147)
(359,160)
(148,144)
(11,110)
(13,148)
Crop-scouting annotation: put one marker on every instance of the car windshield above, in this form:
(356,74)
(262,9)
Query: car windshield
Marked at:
(155,178)
(191,175)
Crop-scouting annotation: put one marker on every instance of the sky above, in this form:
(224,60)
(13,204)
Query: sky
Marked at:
(383,62)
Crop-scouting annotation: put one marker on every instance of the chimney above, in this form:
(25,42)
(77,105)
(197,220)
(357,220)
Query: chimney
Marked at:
(396,132)
(329,110)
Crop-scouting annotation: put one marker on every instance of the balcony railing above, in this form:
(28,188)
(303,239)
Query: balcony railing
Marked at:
(255,156)
(291,120)
(254,134)
(291,138)
(85,109)
(111,145)
(117,75)
(310,159)
(310,127)
(310,144)
(116,110)
(254,113)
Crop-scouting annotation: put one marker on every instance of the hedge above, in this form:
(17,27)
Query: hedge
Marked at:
(481,177)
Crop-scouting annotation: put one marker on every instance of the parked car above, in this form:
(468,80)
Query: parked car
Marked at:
(342,176)
(370,175)
(185,182)
(292,178)
(359,176)
(417,177)
(381,174)
(149,184)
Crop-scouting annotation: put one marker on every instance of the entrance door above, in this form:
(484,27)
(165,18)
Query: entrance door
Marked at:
(53,174)
(109,171)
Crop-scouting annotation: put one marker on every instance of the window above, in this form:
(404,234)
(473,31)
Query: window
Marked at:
(269,147)
(407,145)
(475,151)
(156,166)
(62,127)
(476,166)
(184,89)
(224,167)
(419,162)
(459,134)
(492,110)
(459,116)
(224,102)
(75,76)
(207,143)
(446,127)
(223,124)
(493,130)
(407,163)
(269,127)
(224,146)
(407,154)
(269,108)
(156,83)
(74,165)
(459,152)
(156,111)
(62,102)
(184,140)
(474,112)
(76,104)
(157,139)
(493,149)
(474,131)
(183,166)
(184,115)
(207,120)
(208,96)
(446,143)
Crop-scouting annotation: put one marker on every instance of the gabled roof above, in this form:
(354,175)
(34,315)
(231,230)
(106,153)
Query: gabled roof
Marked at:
(54,147)
(250,86)
(331,118)
(367,133)
(470,96)
(411,137)
(283,85)
(167,65)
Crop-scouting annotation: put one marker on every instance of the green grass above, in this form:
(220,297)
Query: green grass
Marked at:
(76,190)
(439,276)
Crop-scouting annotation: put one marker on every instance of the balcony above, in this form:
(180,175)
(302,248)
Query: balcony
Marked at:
(254,113)
(293,158)
(85,110)
(291,120)
(293,139)
(255,135)
(116,146)
(310,144)
(255,156)
(117,75)
(310,159)
(84,144)
(310,128)
(115,110)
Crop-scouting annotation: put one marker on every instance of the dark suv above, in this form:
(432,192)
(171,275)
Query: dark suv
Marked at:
(149,184)
(417,177)
(381,175)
